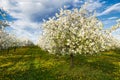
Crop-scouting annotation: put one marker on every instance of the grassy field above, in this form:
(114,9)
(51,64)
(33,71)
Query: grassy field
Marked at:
(31,63)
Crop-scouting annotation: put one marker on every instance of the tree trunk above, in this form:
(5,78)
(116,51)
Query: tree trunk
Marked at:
(1,51)
(14,49)
(71,60)
(7,50)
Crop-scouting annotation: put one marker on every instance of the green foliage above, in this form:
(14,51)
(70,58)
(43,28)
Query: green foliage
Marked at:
(31,63)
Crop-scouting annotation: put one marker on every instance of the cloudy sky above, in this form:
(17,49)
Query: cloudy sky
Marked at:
(27,15)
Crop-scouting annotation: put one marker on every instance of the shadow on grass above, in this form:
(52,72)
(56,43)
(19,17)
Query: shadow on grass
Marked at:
(96,62)
(42,66)
(92,71)
(30,73)
(117,51)
(12,57)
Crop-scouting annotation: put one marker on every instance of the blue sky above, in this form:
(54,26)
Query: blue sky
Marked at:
(27,15)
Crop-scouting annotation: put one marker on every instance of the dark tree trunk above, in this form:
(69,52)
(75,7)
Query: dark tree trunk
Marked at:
(7,50)
(1,51)
(14,49)
(71,60)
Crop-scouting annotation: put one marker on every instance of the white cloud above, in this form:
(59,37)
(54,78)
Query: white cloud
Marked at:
(91,6)
(29,14)
(109,22)
(115,7)
(77,3)
(116,34)
(94,5)
(112,18)
(29,8)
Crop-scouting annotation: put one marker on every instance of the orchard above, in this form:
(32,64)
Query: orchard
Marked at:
(76,31)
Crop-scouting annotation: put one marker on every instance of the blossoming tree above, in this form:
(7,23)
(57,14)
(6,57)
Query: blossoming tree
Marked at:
(6,40)
(3,34)
(75,32)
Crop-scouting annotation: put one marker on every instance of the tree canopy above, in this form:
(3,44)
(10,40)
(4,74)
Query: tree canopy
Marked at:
(76,31)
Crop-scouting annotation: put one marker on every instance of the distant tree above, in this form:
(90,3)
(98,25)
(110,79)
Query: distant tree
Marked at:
(3,21)
(75,32)
(6,40)
(3,34)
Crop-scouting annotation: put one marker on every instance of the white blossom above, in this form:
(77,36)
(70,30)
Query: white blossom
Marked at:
(76,31)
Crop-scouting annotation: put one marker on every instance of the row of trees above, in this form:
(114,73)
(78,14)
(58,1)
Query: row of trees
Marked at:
(8,40)
(76,32)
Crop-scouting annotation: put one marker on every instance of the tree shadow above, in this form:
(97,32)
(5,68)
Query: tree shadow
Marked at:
(32,73)
(98,63)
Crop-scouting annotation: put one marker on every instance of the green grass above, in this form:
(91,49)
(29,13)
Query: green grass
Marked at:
(31,63)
